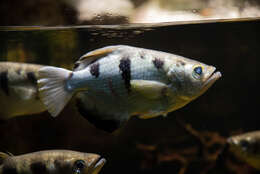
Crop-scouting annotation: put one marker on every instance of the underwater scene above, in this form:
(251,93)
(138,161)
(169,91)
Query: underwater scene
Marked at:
(143,86)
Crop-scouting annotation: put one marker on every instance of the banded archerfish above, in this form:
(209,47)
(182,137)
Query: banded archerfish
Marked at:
(246,147)
(116,82)
(51,162)
(18,90)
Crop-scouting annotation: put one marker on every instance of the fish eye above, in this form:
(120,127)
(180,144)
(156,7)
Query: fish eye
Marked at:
(78,166)
(244,144)
(197,72)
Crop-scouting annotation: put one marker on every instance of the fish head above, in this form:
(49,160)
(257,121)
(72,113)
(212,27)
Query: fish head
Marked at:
(83,163)
(246,147)
(191,78)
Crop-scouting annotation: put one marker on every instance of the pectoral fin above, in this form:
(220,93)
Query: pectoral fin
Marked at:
(149,89)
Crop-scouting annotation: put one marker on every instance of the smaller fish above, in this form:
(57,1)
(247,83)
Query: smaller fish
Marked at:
(246,147)
(51,162)
(18,90)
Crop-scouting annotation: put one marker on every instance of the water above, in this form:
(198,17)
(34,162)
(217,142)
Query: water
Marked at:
(158,145)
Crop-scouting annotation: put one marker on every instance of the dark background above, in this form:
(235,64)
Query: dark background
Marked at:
(155,145)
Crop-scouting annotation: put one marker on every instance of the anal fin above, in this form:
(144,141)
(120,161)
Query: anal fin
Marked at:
(147,116)
(108,125)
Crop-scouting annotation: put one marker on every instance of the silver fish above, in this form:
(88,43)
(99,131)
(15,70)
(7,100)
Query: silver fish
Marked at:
(18,90)
(51,162)
(246,147)
(117,82)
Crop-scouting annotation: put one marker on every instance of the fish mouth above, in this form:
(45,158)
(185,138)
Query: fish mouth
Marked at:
(210,80)
(97,165)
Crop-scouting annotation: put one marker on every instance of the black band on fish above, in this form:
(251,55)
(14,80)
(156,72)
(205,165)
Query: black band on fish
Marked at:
(142,55)
(39,168)
(125,68)
(158,63)
(94,69)
(4,82)
(9,170)
(19,71)
(31,76)
(180,62)
(111,88)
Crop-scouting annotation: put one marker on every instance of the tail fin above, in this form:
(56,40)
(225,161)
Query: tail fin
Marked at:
(3,156)
(52,88)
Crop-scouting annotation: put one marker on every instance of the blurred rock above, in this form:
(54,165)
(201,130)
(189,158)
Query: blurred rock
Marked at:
(103,11)
(176,10)
(40,12)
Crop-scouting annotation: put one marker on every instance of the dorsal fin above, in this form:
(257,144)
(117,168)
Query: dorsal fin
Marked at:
(92,56)
(3,156)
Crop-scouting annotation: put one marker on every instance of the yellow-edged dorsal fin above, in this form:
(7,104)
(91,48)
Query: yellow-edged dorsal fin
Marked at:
(149,89)
(92,56)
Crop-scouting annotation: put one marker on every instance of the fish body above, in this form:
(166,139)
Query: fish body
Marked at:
(51,162)
(246,147)
(18,90)
(117,82)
